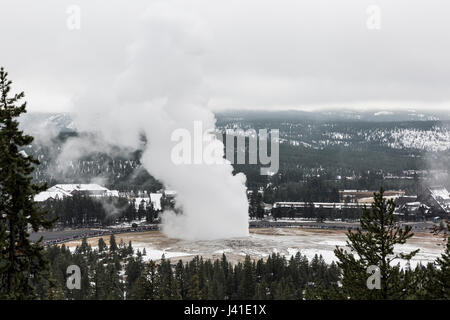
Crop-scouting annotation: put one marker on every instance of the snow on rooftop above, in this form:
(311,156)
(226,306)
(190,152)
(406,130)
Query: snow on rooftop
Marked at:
(414,204)
(78,187)
(60,191)
(442,197)
(45,195)
(170,192)
(440,192)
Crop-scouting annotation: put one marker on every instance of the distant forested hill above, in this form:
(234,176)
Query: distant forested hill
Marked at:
(340,153)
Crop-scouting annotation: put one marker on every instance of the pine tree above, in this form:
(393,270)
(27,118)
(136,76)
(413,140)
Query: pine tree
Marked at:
(146,286)
(253,201)
(284,290)
(101,245)
(133,270)
(130,212)
(84,248)
(141,210)
(247,282)
(193,291)
(52,290)
(373,245)
(261,292)
(130,249)
(442,285)
(150,212)
(180,279)
(113,244)
(22,262)
(100,279)
(114,286)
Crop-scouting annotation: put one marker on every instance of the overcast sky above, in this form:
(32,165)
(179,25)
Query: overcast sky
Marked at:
(277,54)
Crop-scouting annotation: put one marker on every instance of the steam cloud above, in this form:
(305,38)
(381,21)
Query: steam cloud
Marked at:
(437,164)
(160,90)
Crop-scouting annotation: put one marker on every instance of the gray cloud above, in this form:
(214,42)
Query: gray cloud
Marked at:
(258,53)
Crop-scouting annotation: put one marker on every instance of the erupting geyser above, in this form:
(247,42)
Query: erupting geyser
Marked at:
(160,91)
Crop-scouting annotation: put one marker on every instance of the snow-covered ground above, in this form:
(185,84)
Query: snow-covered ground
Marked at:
(263,242)
(152,253)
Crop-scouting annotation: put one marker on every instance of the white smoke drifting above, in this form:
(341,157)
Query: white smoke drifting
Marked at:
(437,163)
(159,91)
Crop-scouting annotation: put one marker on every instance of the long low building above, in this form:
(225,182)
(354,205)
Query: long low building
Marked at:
(324,205)
(432,201)
(367,195)
(51,195)
(60,191)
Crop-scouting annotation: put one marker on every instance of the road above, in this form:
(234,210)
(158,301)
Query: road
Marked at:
(65,235)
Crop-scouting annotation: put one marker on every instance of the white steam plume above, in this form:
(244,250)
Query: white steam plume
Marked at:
(437,162)
(160,91)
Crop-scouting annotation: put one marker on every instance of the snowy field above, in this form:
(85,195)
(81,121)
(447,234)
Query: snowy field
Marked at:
(263,242)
